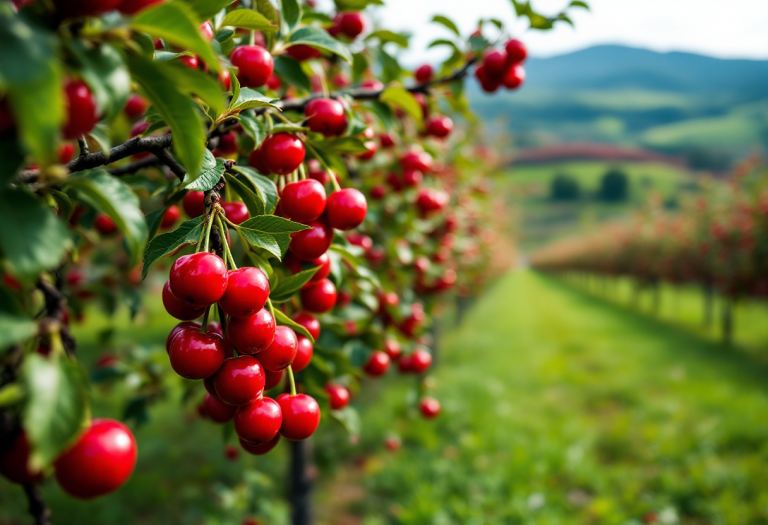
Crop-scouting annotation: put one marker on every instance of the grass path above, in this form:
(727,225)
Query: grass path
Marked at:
(561,408)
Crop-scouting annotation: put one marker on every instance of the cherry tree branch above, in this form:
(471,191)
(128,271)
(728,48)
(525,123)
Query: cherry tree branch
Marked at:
(37,507)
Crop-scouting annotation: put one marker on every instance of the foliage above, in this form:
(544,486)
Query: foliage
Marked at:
(614,186)
(564,187)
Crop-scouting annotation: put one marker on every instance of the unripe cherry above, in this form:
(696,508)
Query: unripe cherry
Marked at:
(254,64)
(377,364)
(346,209)
(100,462)
(338,396)
(304,351)
(439,126)
(282,153)
(178,309)
(304,200)
(429,407)
(82,113)
(240,380)
(421,360)
(194,203)
(199,279)
(423,74)
(514,77)
(309,322)
(196,355)
(326,116)
(280,354)
(516,51)
(319,297)
(260,449)
(247,292)
(218,410)
(14,462)
(258,421)
(301,416)
(311,244)
(252,334)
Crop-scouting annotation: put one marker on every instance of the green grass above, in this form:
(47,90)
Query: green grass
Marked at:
(562,408)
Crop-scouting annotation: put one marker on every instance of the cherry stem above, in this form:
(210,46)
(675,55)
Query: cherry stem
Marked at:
(225,244)
(302,172)
(208,225)
(205,319)
(292,380)
(334,182)
(271,308)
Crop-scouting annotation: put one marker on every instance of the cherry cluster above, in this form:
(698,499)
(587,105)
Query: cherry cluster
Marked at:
(502,67)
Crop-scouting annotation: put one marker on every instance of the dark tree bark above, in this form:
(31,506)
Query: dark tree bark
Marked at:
(301,482)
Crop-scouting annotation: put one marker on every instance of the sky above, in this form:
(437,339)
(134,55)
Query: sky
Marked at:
(720,28)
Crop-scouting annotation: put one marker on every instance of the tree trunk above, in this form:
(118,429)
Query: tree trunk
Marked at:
(709,304)
(727,320)
(301,483)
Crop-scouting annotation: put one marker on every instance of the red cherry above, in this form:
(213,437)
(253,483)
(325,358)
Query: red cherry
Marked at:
(514,77)
(319,297)
(378,192)
(338,396)
(227,143)
(178,309)
(346,209)
(386,141)
(66,153)
(311,244)
(131,7)
(104,224)
(252,334)
(240,380)
(136,107)
(439,126)
(194,203)
(488,83)
(272,378)
(247,292)
(273,82)
(302,52)
(370,151)
(294,264)
(431,200)
(225,79)
(236,212)
(393,350)
(404,364)
(258,421)
(192,62)
(326,116)
(423,74)
(301,416)
(82,114)
(199,279)
(260,449)
(210,387)
(206,29)
(256,160)
(282,153)
(340,81)
(421,360)
(372,84)
(309,322)
(100,462)
(377,364)
(178,328)
(304,200)
(495,63)
(350,24)
(170,216)
(411,178)
(303,354)
(516,51)
(14,462)
(254,64)
(429,407)
(231,452)
(361,240)
(196,355)
(75,8)
(218,410)
(280,354)
(392,443)
(315,171)
(416,160)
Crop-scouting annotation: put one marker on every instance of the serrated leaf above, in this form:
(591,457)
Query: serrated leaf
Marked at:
(195,82)
(188,232)
(290,70)
(248,19)
(211,171)
(32,238)
(390,68)
(248,98)
(176,23)
(384,36)
(287,287)
(267,188)
(15,329)
(446,22)
(270,232)
(282,319)
(254,128)
(252,199)
(112,196)
(205,9)
(103,68)
(56,406)
(320,39)
(290,11)
(398,96)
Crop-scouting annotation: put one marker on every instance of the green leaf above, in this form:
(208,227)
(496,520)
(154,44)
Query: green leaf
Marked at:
(359,66)
(384,36)
(248,19)
(447,22)
(290,11)
(175,108)
(383,112)
(290,70)
(287,127)
(188,232)
(353,262)
(56,407)
(205,9)
(320,39)
(267,188)
(344,145)
(270,232)
(30,74)
(195,82)
(313,16)
(210,173)
(15,329)
(32,238)
(355,5)
(100,136)
(579,3)
(286,288)
(11,394)
(176,23)
(281,318)
(248,98)
(444,42)
(154,219)
(349,419)
(254,128)
(391,69)
(103,68)
(11,159)
(398,96)
(252,200)
(167,56)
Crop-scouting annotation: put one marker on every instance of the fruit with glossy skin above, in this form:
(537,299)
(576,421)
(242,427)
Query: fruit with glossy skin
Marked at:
(247,292)
(258,421)
(273,82)
(272,379)
(319,297)
(326,116)
(439,126)
(66,153)
(386,141)
(82,113)
(516,51)
(218,410)
(311,244)
(495,63)
(100,462)
(361,240)
(514,77)
(194,203)
(74,8)
(303,201)
(372,84)
(316,172)
(14,462)
(209,385)
(378,192)
(280,354)
(192,62)
(431,200)
(260,449)
(178,328)
(196,355)
(429,407)
(104,224)
(170,216)
(252,334)
(346,209)
(377,364)
(304,351)
(225,79)
(206,29)
(227,143)
(136,106)
(131,7)
(240,380)
(309,322)
(488,83)
(323,262)
(302,52)
(256,160)
(423,74)
(236,211)
(370,151)
(282,153)
(301,416)
(416,160)
(199,279)
(351,24)
(421,360)
(392,348)
(254,65)
(338,396)
(404,364)
(179,309)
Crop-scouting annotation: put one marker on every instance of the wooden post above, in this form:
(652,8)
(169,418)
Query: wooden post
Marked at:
(301,482)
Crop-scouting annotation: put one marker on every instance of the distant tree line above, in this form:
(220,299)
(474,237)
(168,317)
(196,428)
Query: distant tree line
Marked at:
(614,187)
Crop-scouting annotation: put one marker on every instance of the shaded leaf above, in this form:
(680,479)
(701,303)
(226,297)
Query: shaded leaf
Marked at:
(398,96)
(290,70)
(252,200)
(15,329)
(254,128)
(195,82)
(320,39)
(267,188)
(446,22)
(205,9)
(282,319)
(188,232)
(103,68)
(211,171)
(290,285)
